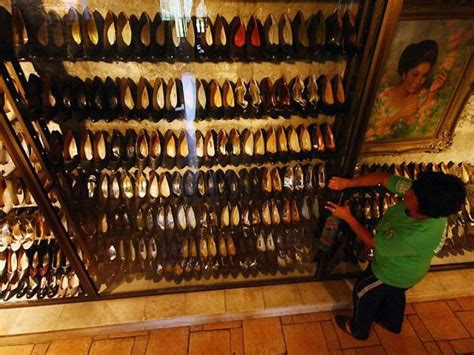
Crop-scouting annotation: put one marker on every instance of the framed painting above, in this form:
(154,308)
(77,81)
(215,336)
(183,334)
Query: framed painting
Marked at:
(425,79)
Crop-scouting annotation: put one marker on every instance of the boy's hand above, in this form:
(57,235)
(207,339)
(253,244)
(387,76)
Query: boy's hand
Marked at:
(342,212)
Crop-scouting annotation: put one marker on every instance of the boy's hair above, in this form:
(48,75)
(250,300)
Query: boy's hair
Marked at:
(438,194)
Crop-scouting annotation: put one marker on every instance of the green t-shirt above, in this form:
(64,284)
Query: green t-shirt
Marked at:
(404,246)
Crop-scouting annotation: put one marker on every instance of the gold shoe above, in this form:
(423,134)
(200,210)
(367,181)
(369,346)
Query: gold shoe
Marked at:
(276,180)
(305,139)
(155,149)
(164,185)
(101,150)
(282,144)
(248,144)
(259,149)
(228,99)
(293,142)
(266,181)
(169,156)
(209,148)
(236,148)
(329,141)
(271,144)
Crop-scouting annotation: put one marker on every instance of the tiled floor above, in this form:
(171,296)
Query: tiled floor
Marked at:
(435,327)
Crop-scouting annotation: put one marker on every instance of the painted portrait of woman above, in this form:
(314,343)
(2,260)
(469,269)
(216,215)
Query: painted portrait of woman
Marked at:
(424,64)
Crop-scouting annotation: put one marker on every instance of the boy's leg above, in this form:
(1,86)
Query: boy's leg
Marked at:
(392,310)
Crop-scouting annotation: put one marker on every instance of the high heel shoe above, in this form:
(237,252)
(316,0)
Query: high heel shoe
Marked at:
(202,104)
(6,35)
(210,148)
(238,39)
(188,43)
(255,39)
(215,100)
(158,99)
(156,149)
(240,93)
(305,141)
(189,183)
(87,151)
(236,147)
(329,139)
(294,146)
(326,95)
(92,32)
(259,148)
(221,38)
(142,149)
(182,155)
(158,37)
(124,46)
(144,97)
(72,21)
(228,99)
(271,144)
(298,93)
(153,186)
(223,153)
(174,99)
(300,36)
(317,35)
(317,139)
(334,33)
(57,36)
(143,37)
(281,93)
(248,145)
(177,186)
(282,144)
(254,98)
(109,35)
(128,98)
(97,100)
(112,99)
(70,152)
(349,33)
(80,104)
(38,32)
(272,40)
(312,95)
(169,151)
(338,93)
(204,38)
(268,97)
(211,185)
(129,159)
(286,37)
(117,150)
(198,151)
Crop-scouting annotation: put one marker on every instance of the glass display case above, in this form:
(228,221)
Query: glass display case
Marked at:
(185,145)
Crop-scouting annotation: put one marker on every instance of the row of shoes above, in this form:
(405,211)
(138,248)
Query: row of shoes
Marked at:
(109,189)
(190,98)
(411,170)
(6,163)
(189,147)
(209,254)
(41,271)
(91,36)
(14,193)
(20,228)
(185,218)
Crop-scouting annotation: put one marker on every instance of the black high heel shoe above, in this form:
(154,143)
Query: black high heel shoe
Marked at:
(334,33)
(80,104)
(210,148)
(198,149)
(158,38)
(156,149)
(142,149)
(169,150)
(117,150)
(144,98)
(268,97)
(204,38)
(221,39)
(317,35)
(112,99)
(101,150)
(236,147)
(34,90)
(237,39)
(182,154)
(86,151)
(109,35)
(72,21)
(158,99)
(228,99)
(6,34)
(281,93)
(338,93)
(97,101)
(272,39)
(312,95)
(300,36)
(172,40)
(271,144)
(124,37)
(286,38)
(326,95)
(259,147)
(143,38)
(174,99)
(92,32)
(57,36)
(349,33)
(70,152)
(37,26)
(128,98)
(248,146)
(215,99)
(188,43)
(129,159)
(202,103)
(255,39)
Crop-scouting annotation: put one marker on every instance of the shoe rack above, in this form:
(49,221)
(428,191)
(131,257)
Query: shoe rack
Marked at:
(369,205)
(187,152)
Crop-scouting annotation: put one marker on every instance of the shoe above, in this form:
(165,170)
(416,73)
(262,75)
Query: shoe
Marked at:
(182,157)
(259,146)
(254,98)
(144,98)
(228,99)
(117,150)
(202,104)
(240,93)
(97,101)
(255,39)
(80,104)
(312,95)
(169,151)
(244,179)
(317,139)
(153,186)
(87,151)
(305,141)
(299,177)
(174,102)
(34,90)
(128,98)
(201,184)
(289,180)
(282,144)
(172,41)
(271,149)
(73,24)
(237,50)
(269,102)
(92,32)
(142,149)
(204,38)
(158,99)
(127,186)
(177,187)
(236,147)
(37,26)
(338,94)
(266,181)
(286,37)
(349,33)
(300,36)
(124,46)
(317,35)
(294,146)
(57,36)
(248,145)
(221,39)
(70,152)
(101,150)
(189,183)
(281,93)
(157,48)
(6,34)
(255,180)
(129,159)
(329,138)
(109,35)
(211,185)
(298,102)
(223,153)
(334,33)
(210,148)
(112,99)
(143,37)
(326,95)
(141,190)
(233,184)
(186,49)
(216,108)
(272,39)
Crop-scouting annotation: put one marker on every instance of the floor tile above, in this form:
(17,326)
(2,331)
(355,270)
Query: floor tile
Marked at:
(263,336)
(281,296)
(168,341)
(129,334)
(440,320)
(306,318)
(463,346)
(330,335)
(305,338)
(164,306)
(419,327)
(348,341)
(244,299)
(372,350)
(123,311)
(16,349)
(214,342)
(409,309)
(432,348)
(222,325)
(140,344)
(78,346)
(8,317)
(467,303)
(407,341)
(430,286)
(454,305)
(454,280)
(80,315)
(202,303)
(119,346)
(36,319)
(467,319)
(237,341)
(40,349)
(445,347)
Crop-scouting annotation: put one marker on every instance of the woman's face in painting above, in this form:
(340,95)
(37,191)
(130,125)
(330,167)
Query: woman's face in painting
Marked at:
(414,78)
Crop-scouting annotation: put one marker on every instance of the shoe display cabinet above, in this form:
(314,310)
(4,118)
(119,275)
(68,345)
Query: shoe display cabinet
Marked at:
(184,146)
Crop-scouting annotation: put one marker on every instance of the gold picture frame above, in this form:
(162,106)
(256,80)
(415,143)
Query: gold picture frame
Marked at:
(389,134)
